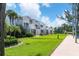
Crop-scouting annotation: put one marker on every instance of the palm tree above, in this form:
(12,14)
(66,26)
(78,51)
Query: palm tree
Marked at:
(6,25)
(12,29)
(20,17)
(16,29)
(2,33)
(70,19)
(12,15)
(64,26)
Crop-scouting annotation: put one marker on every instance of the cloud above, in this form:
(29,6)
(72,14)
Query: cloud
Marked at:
(58,22)
(46,4)
(46,20)
(31,9)
(26,9)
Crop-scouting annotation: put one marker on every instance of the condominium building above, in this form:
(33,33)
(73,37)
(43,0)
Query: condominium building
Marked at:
(33,26)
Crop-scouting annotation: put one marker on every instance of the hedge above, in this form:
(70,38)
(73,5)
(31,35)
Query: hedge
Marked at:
(9,41)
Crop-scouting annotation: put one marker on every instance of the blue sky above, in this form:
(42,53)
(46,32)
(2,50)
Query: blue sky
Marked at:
(55,9)
(44,12)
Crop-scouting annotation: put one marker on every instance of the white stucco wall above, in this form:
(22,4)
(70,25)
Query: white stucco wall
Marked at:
(32,25)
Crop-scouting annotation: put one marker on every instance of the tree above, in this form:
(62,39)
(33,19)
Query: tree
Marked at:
(70,19)
(16,30)
(2,33)
(12,15)
(23,31)
(6,28)
(10,30)
(66,28)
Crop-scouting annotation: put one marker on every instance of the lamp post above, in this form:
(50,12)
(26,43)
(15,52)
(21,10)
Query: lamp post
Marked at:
(2,33)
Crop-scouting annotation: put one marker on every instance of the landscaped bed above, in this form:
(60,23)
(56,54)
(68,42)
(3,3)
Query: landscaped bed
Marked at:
(36,46)
(10,41)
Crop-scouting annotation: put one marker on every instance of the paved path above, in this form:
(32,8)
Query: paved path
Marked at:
(67,48)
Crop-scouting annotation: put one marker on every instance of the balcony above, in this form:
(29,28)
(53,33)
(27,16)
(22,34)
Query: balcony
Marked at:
(37,27)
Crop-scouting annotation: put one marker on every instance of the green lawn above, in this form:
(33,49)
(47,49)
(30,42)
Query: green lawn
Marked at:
(36,46)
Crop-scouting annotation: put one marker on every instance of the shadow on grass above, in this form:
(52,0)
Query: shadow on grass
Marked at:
(27,43)
(38,54)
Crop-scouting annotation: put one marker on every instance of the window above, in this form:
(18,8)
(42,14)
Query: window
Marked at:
(37,27)
(31,21)
(26,24)
(50,31)
(51,27)
(33,31)
(41,31)
(46,26)
(41,25)
(47,32)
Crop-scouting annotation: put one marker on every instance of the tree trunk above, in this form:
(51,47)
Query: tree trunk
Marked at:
(2,33)
(9,33)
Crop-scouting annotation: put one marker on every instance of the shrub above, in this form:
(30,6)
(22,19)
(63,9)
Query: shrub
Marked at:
(38,54)
(18,34)
(9,41)
(29,35)
(41,34)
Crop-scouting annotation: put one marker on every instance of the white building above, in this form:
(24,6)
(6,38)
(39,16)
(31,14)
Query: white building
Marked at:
(33,26)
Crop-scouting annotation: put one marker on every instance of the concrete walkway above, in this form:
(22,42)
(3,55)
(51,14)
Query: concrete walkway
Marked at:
(67,48)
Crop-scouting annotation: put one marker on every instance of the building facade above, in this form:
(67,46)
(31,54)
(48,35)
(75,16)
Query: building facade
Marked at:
(33,26)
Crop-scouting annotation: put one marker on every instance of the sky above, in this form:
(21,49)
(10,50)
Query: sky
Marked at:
(44,12)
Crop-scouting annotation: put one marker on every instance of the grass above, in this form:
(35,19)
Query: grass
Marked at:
(36,46)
